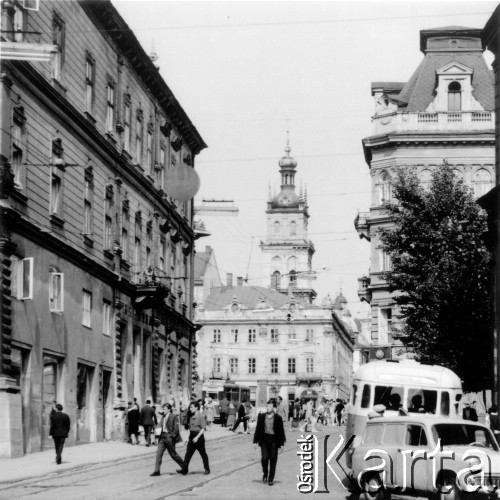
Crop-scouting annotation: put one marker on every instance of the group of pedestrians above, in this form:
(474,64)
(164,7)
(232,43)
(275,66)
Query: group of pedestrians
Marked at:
(306,415)
(136,416)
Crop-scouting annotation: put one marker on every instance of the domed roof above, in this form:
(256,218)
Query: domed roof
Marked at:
(287,161)
(340,301)
(287,198)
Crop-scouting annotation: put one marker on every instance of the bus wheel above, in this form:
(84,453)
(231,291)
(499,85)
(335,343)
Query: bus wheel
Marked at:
(447,488)
(373,489)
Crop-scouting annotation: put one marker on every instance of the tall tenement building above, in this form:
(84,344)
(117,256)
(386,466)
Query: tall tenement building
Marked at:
(444,111)
(96,255)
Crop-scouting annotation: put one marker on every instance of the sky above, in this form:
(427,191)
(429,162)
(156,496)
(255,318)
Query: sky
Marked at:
(245,72)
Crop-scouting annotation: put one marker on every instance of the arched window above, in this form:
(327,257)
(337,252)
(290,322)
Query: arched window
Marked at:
(454,97)
(293,278)
(293,228)
(276,263)
(276,227)
(425,178)
(482,182)
(458,173)
(384,185)
(275,280)
(292,263)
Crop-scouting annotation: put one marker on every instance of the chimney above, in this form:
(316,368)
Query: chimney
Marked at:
(229,279)
(239,280)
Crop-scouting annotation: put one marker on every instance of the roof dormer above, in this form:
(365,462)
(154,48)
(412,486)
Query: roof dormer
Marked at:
(454,89)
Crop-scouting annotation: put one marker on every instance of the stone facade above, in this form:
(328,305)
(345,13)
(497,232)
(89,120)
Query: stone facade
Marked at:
(444,112)
(96,254)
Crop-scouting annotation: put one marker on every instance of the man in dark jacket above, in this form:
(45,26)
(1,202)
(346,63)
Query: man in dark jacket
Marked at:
(270,436)
(170,435)
(242,417)
(148,419)
(223,409)
(59,430)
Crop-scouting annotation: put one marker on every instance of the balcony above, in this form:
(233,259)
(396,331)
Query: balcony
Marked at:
(364,292)
(150,289)
(464,121)
(362,226)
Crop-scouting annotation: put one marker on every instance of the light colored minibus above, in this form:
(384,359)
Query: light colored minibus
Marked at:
(402,385)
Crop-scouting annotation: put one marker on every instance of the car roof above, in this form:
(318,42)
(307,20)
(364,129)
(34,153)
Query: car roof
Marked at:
(421,419)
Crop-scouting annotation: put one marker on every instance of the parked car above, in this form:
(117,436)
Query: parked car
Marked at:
(437,457)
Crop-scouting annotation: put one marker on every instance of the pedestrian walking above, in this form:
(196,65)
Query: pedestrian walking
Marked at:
(241,418)
(169,437)
(59,430)
(469,413)
(210,413)
(270,436)
(231,416)
(223,410)
(338,412)
(295,414)
(148,419)
(197,427)
(133,417)
(282,409)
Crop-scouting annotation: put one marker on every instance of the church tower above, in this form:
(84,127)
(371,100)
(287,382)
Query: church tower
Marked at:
(287,252)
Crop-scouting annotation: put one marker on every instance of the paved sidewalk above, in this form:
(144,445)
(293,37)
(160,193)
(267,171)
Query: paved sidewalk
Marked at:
(43,463)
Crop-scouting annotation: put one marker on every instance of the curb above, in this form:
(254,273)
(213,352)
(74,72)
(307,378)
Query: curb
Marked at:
(118,460)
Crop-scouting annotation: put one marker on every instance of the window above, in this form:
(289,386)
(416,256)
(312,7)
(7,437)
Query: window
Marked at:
(384,260)
(274,335)
(160,170)
(125,224)
(275,280)
(138,137)
(293,228)
(233,365)
(385,325)
(149,150)
(149,244)
(365,396)
(276,227)
(251,365)
(89,84)
(161,254)
(58,41)
(309,365)
(482,182)
(22,282)
(234,334)
(393,434)
(384,187)
(291,365)
(56,287)
(108,218)
(18,146)
(274,365)
(389,396)
(425,178)
(445,403)
(293,278)
(415,436)
(107,318)
(110,107)
(292,334)
(252,337)
(138,242)
(217,365)
(217,336)
(55,191)
(127,119)
(86,308)
(454,96)
(309,334)
(15,23)
(88,199)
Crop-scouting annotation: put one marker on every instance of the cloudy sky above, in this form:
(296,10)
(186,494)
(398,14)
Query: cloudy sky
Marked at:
(245,72)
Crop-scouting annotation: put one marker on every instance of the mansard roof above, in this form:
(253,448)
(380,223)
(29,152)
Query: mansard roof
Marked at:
(249,297)
(419,91)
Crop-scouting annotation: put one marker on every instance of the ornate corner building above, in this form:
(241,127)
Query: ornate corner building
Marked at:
(444,111)
(96,254)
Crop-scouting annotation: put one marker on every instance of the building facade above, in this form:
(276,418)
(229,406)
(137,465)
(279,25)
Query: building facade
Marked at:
(273,338)
(96,254)
(444,112)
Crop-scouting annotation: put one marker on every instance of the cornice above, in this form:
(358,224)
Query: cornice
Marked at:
(107,18)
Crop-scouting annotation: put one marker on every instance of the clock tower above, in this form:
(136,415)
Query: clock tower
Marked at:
(287,252)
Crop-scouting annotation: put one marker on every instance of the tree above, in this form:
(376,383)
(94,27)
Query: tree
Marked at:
(440,269)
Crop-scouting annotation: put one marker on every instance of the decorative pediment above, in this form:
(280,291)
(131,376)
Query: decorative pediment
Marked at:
(454,68)
(177,144)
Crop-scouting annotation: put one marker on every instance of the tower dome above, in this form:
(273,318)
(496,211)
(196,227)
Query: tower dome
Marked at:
(287,197)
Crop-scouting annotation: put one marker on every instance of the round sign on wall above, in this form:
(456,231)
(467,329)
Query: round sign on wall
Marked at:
(182,182)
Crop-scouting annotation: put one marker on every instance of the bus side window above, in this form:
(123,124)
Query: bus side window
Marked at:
(445,403)
(354,394)
(365,396)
